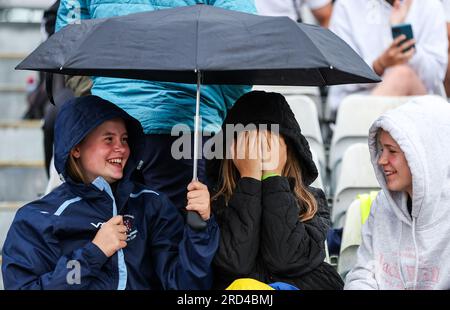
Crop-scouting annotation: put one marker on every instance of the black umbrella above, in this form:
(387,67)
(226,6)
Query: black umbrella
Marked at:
(228,47)
(205,45)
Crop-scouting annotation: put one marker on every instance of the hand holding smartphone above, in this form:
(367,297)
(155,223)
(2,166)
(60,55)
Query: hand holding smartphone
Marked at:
(405,29)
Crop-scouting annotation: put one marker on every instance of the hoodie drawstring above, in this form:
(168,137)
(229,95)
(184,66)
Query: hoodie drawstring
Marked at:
(399,257)
(416,251)
(416,256)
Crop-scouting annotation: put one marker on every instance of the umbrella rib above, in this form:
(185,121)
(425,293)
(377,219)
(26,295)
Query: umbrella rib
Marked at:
(321,54)
(323,76)
(196,37)
(81,44)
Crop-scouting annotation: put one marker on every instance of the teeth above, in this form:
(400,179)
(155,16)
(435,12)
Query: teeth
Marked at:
(115,160)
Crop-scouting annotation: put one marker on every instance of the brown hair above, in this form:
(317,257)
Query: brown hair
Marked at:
(229,175)
(74,170)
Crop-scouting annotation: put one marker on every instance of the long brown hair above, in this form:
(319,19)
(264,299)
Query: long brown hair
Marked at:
(229,176)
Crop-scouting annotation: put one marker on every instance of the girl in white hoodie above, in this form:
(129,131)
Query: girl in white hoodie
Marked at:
(405,241)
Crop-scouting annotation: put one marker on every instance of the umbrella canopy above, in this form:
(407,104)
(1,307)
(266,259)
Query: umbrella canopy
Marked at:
(228,47)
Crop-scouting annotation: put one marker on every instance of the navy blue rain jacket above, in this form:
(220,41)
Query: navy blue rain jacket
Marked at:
(49,245)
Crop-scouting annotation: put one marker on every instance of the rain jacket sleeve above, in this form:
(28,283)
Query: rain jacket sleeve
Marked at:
(70,12)
(239,224)
(362,276)
(182,257)
(232,93)
(289,246)
(32,261)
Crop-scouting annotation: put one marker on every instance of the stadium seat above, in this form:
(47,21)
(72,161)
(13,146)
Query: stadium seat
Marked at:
(354,118)
(9,76)
(24,182)
(306,114)
(17,39)
(1,277)
(309,91)
(318,183)
(13,104)
(7,212)
(351,239)
(29,34)
(23,141)
(357,177)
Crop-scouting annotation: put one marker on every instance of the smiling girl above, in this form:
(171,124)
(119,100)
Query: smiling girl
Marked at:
(101,229)
(405,240)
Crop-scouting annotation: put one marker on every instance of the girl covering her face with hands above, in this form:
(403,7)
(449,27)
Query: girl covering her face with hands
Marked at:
(273,224)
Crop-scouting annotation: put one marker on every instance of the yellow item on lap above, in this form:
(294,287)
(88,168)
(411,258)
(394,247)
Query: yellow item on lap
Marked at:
(249,284)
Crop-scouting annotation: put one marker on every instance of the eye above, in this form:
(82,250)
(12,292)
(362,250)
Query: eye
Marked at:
(108,139)
(125,139)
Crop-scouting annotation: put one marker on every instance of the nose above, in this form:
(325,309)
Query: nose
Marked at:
(382,160)
(119,147)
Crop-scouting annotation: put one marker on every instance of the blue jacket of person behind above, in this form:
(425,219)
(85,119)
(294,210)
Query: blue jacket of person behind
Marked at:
(159,106)
(49,245)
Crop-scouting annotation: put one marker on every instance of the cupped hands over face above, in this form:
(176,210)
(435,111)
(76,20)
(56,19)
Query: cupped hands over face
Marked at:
(259,152)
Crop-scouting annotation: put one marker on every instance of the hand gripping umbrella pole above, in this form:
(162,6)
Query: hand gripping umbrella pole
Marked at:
(193,218)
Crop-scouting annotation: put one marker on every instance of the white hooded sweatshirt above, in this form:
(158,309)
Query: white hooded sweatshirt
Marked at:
(399,250)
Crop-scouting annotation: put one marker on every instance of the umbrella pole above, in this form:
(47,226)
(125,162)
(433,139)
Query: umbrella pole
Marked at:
(196,127)
(194,219)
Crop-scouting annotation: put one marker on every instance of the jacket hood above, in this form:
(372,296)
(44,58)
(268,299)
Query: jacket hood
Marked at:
(79,116)
(421,128)
(259,108)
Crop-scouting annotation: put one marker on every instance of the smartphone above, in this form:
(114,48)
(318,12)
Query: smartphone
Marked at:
(405,29)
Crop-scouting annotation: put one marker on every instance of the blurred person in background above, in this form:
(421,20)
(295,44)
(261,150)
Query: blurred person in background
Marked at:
(320,9)
(36,89)
(366,27)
